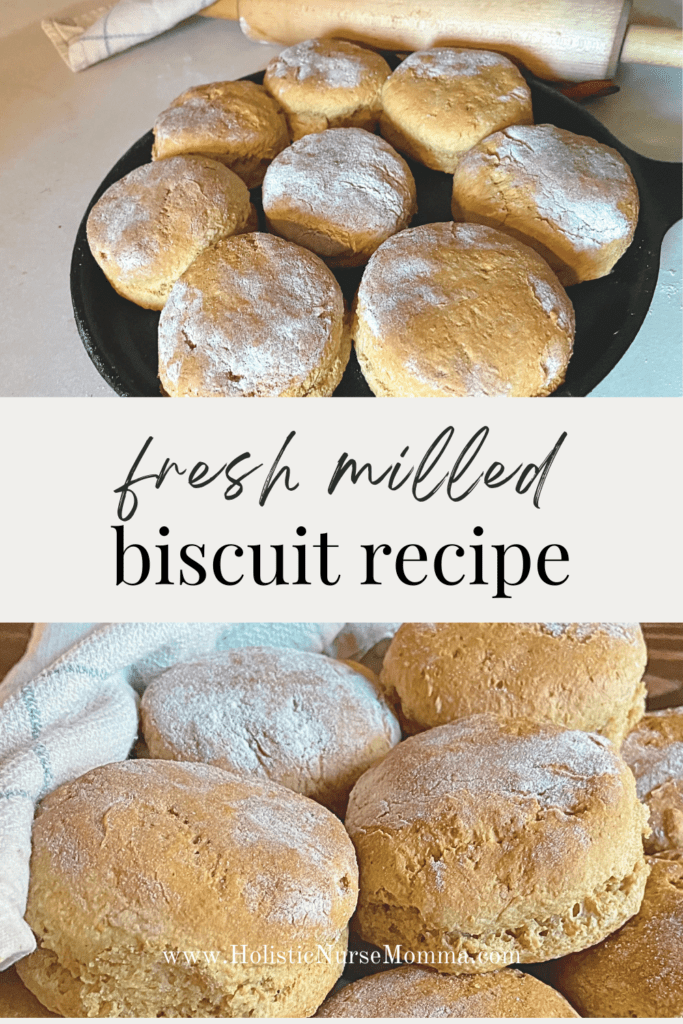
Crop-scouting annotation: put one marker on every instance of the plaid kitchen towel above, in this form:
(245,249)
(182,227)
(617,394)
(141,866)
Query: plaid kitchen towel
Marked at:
(84,37)
(71,705)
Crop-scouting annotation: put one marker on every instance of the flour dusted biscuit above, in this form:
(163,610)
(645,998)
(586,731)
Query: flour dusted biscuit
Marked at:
(486,843)
(16,1000)
(419,992)
(236,123)
(140,858)
(461,310)
(301,719)
(439,103)
(654,753)
(340,193)
(147,228)
(582,675)
(327,83)
(254,316)
(569,197)
(638,970)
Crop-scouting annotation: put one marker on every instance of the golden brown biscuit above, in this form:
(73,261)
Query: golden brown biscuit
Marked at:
(654,753)
(581,675)
(327,83)
(254,316)
(637,971)
(140,859)
(439,103)
(148,227)
(569,197)
(236,123)
(488,843)
(306,721)
(461,310)
(419,992)
(16,1000)
(339,193)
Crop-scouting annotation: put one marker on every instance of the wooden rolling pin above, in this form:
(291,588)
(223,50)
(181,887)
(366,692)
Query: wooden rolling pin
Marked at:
(567,40)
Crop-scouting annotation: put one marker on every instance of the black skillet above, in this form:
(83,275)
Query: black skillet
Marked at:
(121,338)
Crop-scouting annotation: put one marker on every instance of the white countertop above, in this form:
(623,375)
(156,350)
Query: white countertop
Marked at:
(63,132)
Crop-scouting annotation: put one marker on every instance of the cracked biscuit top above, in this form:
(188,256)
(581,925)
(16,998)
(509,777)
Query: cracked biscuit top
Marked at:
(340,193)
(581,675)
(306,721)
(420,992)
(439,103)
(637,971)
(138,858)
(150,225)
(236,123)
(497,837)
(569,197)
(654,753)
(253,316)
(461,310)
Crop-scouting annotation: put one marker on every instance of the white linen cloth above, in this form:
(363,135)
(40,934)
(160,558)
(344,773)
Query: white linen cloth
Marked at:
(84,37)
(70,705)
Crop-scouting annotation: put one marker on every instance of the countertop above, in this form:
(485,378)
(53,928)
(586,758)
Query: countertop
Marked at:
(64,131)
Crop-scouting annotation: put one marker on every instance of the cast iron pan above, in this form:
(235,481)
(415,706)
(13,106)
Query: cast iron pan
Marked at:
(121,338)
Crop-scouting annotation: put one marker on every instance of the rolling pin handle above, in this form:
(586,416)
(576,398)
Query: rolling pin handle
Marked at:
(648,44)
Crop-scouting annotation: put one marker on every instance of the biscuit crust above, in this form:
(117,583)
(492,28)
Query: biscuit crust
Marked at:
(569,197)
(309,722)
(237,123)
(581,675)
(439,103)
(139,858)
(254,316)
(637,971)
(419,992)
(147,228)
(327,83)
(339,193)
(491,842)
(461,310)
(654,753)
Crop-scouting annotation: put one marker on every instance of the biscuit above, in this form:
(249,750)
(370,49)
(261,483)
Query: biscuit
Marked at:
(16,1000)
(637,971)
(339,193)
(301,719)
(237,123)
(419,992)
(654,753)
(439,103)
(486,843)
(327,83)
(569,197)
(461,310)
(581,675)
(147,228)
(140,859)
(254,316)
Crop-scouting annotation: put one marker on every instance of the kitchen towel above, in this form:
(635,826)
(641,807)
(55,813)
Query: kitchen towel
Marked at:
(71,704)
(84,36)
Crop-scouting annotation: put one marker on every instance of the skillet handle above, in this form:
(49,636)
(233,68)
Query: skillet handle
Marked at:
(665,182)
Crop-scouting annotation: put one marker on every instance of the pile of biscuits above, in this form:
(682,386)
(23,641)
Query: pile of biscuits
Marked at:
(468,307)
(480,806)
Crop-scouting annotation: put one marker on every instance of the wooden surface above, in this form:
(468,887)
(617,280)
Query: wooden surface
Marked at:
(13,639)
(664,675)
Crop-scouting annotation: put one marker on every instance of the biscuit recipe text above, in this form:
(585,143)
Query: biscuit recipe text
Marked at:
(448,470)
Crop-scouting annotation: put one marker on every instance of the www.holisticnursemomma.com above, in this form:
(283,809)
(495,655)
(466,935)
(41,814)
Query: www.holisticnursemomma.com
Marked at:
(328,954)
